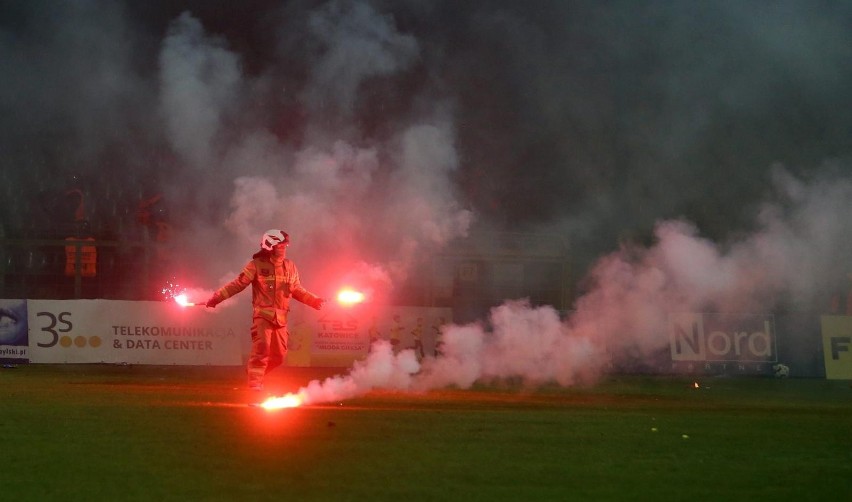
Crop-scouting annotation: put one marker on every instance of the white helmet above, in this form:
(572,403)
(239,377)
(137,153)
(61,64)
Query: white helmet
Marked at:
(272,237)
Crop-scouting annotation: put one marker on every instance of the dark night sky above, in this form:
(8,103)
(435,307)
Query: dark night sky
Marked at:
(590,120)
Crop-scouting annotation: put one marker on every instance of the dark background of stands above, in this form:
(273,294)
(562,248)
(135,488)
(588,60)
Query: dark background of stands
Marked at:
(42,206)
(40,213)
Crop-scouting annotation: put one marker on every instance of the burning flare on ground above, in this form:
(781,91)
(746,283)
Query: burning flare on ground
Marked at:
(383,368)
(286,401)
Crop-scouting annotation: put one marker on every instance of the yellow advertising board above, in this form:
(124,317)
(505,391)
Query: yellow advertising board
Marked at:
(338,336)
(837,347)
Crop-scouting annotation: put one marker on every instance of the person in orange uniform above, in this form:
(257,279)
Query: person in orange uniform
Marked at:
(274,280)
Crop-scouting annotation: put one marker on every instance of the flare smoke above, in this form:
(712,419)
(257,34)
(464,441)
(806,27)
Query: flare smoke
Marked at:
(704,138)
(794,253)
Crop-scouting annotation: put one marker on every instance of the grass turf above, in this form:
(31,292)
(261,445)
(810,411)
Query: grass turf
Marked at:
(96,432)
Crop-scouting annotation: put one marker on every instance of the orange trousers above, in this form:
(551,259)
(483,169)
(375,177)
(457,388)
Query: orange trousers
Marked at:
(268,349)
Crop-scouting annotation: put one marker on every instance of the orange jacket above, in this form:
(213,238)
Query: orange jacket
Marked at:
(272,286)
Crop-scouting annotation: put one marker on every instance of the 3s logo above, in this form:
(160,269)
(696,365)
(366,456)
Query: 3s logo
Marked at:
(56,324)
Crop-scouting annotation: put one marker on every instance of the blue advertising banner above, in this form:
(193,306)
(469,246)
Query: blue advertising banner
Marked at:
(14,339)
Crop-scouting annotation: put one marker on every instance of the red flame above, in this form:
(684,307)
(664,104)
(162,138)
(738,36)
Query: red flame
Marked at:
(350,296)
(182,301)
(171,289)
(285,401)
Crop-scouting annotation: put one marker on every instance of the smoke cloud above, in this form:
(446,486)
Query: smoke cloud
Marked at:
(787,263)
(199,80)
(358,43)
(692,155)
(328,190)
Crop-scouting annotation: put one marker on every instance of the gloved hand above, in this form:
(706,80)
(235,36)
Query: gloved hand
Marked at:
(212,302)
(318,303)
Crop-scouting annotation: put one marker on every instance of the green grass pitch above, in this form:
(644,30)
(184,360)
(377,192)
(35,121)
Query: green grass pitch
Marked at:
(100,432)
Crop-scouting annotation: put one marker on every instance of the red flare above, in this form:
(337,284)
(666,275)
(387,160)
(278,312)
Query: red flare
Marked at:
(350,297)
(183,302)
(286,401)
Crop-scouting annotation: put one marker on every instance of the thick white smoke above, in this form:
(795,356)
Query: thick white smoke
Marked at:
(800,248)
(389,197)
(381,369)
(199,81)
(359,44)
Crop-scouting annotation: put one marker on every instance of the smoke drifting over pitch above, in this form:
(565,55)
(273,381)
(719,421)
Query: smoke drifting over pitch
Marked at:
(785,264)
(695,157)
